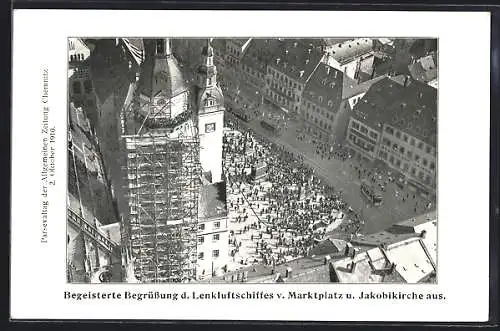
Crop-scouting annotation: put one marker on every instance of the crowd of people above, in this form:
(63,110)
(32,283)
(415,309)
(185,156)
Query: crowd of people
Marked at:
(287,204)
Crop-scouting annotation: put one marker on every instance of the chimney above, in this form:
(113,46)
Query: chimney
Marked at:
(307,61)
(295,44)
(327,259)
(309,51)
(278,60)
(286,51)
(288,273)
(352,267)
(301,73)
(328,70)
(423,234)
(393,267)
(353,253)
(371,265)
(407,81)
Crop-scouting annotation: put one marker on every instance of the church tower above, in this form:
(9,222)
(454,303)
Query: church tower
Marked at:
(210,109)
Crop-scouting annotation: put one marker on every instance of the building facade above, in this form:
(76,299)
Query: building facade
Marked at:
(289,73)
(235,49)
(213,233)
(321,101)
(81,90)
(396,123)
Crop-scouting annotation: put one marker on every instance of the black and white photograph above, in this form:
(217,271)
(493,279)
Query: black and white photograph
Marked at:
(252,160)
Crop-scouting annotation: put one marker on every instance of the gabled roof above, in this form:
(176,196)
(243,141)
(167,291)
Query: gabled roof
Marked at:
(324,88)
(352,88)
(424,70)
(296,60)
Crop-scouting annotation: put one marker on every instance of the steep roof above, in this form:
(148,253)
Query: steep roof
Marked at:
(325,85)
(424,69)
(260,53)
(411,108)
(160,73)
(295,59)
(348,50)
(352,88)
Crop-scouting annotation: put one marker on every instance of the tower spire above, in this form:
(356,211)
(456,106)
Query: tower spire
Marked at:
(163,47)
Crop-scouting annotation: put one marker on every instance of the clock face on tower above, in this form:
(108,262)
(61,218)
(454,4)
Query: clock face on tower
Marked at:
(209,127)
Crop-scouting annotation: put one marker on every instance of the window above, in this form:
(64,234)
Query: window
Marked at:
(364,129)
(209,127)
(413,171)
(215,253)
(412,142)
(330,103)
(421,175)
(320,99)
(402,150)
(421,145)
(398,163)
(386,142)
(398,134)
(355,125)
(389,130)
(432,166)
(215,237)
(201,240)
(405,138)
(216,225)
(424,162)
(201,227)
(405,167)
(409,154)
(201,256)
(417,157)
(77,89)
(391,159)
(87,86)
(373,135)
(428,149)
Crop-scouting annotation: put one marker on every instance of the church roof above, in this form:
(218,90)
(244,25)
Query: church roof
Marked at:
(160,73)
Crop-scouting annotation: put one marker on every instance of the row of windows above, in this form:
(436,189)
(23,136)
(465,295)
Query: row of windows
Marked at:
(215,254)
(363,129)
(288,93)
(283,78)
(321,112)
(253,72)
(405,167)
(361,143)
(409,154)
(412,141)
(76,57)
(77,87)
(216,225)
(323,125)
(313,106)
(281,99)
(215,237)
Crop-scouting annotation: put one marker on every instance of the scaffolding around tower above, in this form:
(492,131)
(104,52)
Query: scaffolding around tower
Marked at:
(163,177)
